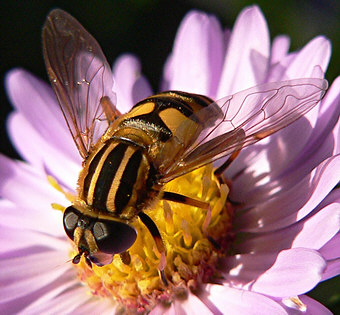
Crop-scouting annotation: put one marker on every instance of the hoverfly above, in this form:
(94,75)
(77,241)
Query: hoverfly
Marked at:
(128,158)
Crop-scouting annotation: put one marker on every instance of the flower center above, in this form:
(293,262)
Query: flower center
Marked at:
(194,240)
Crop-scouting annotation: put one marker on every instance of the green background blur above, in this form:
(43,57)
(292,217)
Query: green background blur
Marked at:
(147,29)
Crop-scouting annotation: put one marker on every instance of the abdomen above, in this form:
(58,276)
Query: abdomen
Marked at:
(115,178)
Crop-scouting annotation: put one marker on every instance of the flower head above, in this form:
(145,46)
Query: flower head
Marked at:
(272,231)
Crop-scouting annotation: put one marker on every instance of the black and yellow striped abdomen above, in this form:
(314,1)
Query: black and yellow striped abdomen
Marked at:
(119,178)
(114,178)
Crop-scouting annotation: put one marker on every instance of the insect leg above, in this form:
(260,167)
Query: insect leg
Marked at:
(171,196)
(219,171)
(125,257)
(111,112)
(151,226)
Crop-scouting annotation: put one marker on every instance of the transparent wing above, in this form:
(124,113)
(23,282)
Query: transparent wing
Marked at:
(245,118)
(81,78)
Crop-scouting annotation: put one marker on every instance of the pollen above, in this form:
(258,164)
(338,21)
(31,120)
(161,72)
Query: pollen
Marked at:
(195,239)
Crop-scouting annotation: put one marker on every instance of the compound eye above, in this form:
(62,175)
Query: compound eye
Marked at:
(113,237)
(71,217)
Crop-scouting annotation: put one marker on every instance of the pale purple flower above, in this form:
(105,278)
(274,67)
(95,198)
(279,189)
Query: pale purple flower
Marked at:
(286,230)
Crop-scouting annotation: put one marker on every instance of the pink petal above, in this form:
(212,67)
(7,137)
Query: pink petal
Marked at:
(327,120)
(160,310)
(131,86)
(291,273)
(64,283)
(36,101)
(69,300)
(280,275)
(332,269)
(277,71)
(297,202)
(43,154)
(170,310)
(331,250)
(316,52)
(322,143)
(25,139)
(331,103)
(305,144)
(313,233)
(290,141)
(302,64)
(31,266)
(312,307)
(336,135)
(31,220)
(196,70)
(30,276)
(13,239)
(252,163)
(235,301)
(280,48)
(192,305)
(35,191)
(96,306)
(300,132)
(246,61)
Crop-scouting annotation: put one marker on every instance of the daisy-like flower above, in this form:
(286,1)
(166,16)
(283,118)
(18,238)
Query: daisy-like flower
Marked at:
(276,240)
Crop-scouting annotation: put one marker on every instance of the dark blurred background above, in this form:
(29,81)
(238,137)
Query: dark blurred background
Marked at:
(147,29)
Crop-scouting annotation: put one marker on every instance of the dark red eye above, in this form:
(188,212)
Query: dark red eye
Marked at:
(113,237)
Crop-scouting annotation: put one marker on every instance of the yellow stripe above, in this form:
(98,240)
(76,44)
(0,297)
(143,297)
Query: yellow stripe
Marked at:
(110,202)
(172,118)
(97,172)
(144,109)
